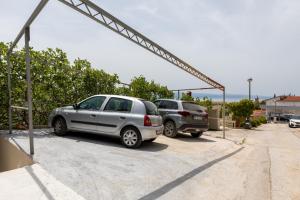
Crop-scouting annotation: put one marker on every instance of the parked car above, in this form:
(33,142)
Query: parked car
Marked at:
(133,120)
(182,116)
(294,122)
(287,117)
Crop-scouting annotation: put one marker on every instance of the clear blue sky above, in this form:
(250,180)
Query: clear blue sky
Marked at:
(227,40)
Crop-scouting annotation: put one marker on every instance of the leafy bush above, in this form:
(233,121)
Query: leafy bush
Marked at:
(240,110)
(205,102)
(255,123)
(57,82)
(186,97)
(263,120)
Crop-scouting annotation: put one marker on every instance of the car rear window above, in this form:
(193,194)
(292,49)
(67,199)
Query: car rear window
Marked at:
(171,105)
(151,108)
(192,106)
(118,105)
(295,117)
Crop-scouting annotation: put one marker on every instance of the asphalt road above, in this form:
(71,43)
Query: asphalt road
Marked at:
(257,164)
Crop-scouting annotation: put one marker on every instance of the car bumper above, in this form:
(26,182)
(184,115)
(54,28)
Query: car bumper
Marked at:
(295,125)
(150,132)
(193,127)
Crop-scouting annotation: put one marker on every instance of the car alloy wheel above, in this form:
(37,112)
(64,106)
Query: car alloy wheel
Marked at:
(60,127)
(170,130)
(131,137)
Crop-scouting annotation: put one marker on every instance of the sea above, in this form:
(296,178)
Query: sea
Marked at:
(229,97)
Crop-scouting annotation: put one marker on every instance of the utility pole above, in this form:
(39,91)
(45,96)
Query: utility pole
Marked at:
(250,80)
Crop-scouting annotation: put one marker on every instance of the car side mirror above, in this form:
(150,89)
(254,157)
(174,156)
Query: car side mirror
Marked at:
(75,106)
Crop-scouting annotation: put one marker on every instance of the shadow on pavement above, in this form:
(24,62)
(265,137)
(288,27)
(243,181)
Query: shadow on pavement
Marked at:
(171,185)
(45,133)
(189,138)
(39,183)
(113,141)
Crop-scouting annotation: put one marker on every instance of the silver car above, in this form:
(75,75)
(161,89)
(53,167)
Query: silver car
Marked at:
(134,120)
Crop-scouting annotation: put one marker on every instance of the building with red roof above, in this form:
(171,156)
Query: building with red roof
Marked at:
(282,105)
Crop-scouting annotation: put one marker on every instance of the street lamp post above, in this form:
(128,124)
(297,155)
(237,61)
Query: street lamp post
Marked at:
(250,80)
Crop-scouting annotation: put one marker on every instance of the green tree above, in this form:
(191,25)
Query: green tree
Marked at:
(141,88)
(3,86)
(205,102)
(241,110)
(186,97)
(56,82)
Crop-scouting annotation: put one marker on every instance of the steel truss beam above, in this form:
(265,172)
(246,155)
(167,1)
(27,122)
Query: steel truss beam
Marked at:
(205,88)
(96,13)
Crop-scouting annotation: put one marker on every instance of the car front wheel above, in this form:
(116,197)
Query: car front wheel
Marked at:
(131,137)
(60,127)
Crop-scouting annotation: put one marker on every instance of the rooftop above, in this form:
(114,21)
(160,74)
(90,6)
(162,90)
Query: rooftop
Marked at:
(292,99)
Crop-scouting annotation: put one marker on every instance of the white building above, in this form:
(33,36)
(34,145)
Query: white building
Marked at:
(282,105)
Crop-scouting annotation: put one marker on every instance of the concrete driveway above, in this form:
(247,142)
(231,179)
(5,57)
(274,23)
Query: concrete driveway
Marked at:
(251,164)
(99,167)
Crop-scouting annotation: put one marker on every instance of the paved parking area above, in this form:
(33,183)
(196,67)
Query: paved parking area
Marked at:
(99,167)
(250,164)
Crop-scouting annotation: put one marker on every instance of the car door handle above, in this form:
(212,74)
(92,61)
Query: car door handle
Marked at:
(93,115)
(122,117)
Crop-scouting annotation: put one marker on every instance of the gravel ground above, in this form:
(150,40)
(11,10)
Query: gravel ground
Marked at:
(256,164)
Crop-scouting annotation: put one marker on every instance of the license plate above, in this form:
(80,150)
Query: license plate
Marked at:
(197,118)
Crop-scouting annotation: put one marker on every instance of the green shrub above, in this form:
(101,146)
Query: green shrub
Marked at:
(58,82)
(255,122)
(262,120)
(242,124)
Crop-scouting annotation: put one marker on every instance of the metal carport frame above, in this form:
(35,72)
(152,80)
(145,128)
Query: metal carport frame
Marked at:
(99,15)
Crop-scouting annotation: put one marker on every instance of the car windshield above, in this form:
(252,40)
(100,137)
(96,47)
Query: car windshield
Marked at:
(192,106)
(151,108)
(295,117)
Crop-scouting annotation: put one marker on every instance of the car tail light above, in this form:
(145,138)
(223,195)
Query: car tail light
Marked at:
(205,115)
(147,121)
(184,113)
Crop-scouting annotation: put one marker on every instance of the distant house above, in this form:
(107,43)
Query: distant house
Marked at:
(258,113)
(281,105)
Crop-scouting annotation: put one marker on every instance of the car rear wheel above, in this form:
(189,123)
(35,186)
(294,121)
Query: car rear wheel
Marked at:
(131,137)
(60,127)
(170,129)
(197,134)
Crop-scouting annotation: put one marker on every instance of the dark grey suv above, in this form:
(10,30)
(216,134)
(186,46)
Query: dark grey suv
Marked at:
(182,116)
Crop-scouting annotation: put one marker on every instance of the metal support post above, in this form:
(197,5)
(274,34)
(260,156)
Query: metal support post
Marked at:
(249,90)
(223,114)
(178,95)
(250,80)
(9,67)
(29,89)
(32,17)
